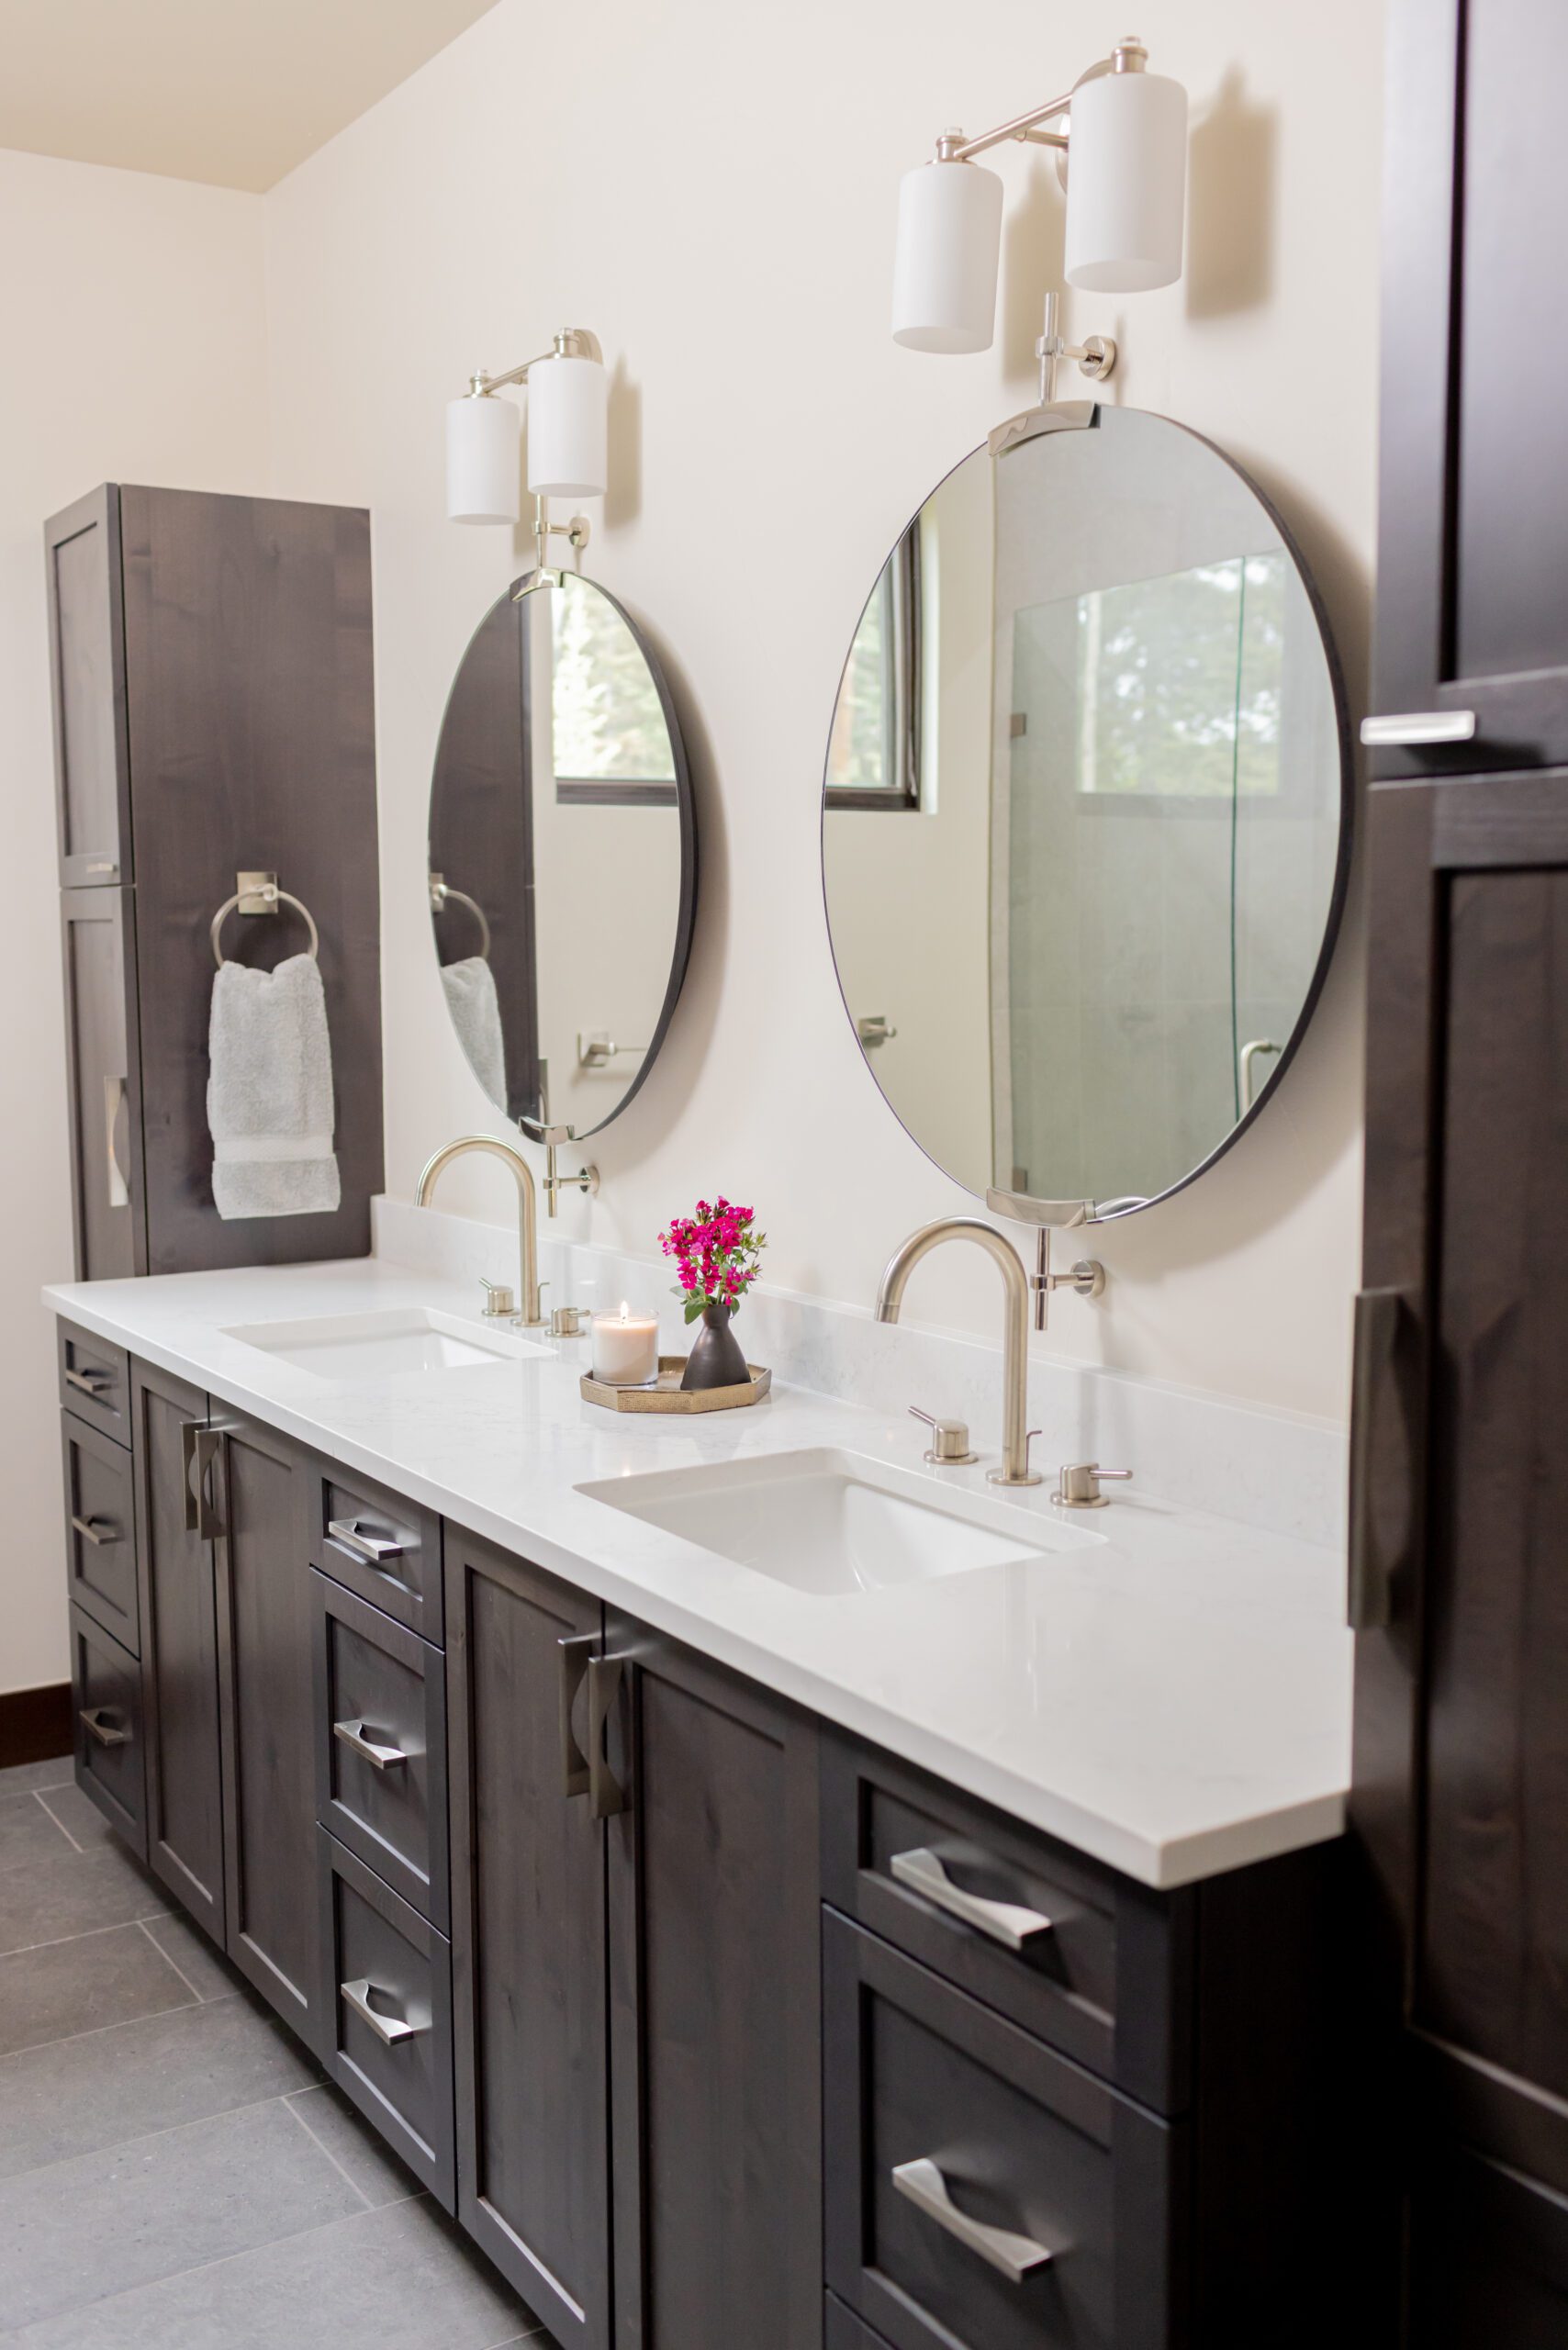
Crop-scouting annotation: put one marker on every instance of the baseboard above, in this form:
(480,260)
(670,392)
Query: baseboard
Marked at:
(35,1724)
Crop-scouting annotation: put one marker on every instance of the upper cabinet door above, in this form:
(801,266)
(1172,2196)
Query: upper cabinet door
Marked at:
(102,1062)
(86,643)
(1473,561)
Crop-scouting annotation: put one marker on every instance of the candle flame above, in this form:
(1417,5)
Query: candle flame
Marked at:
(624,1310)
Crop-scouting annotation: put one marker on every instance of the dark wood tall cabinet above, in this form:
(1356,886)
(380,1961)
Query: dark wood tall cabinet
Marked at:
(213,714)
(1460,1500)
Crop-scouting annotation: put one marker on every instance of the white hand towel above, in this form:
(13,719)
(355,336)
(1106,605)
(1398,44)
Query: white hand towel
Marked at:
(269,1091)
(476,1011)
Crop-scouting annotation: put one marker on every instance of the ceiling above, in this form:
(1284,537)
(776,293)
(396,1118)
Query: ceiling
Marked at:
(234,92)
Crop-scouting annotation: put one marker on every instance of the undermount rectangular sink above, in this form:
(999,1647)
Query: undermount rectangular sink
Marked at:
(379,1346)
(833,1523)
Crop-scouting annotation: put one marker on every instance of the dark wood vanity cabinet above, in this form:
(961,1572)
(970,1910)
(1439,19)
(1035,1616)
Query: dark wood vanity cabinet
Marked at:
(213,714)
(712,2024)
(635,1970)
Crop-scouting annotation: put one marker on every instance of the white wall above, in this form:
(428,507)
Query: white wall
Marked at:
(132,315)
(712,190)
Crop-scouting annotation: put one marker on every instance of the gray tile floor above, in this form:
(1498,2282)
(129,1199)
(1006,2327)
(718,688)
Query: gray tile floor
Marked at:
(174,2172)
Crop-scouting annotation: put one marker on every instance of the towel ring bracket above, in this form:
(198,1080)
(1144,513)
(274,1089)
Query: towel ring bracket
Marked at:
(258,893)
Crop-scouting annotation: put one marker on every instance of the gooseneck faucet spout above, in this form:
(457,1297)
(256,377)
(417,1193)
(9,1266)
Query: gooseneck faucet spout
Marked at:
(1014,1468)
(527,1207)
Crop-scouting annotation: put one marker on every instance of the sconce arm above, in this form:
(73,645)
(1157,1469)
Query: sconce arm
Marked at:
(1127,57)
(572,342)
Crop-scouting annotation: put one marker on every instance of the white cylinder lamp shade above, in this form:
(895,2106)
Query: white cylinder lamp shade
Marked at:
(569,428)
(482,470)
(944,265)
(1126,180)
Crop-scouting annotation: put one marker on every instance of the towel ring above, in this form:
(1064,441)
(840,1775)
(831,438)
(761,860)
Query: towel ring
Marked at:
(443,895)
(278,898)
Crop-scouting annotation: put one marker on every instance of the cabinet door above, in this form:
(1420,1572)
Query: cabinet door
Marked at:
(268,1721)
(87,645)
(1473,581)
(1491,2260)
(179,1639)
(1460,1581)
(98,936)
(715,2001)
(527,1942)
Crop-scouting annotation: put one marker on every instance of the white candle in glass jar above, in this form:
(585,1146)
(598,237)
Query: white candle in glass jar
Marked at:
(625,1348)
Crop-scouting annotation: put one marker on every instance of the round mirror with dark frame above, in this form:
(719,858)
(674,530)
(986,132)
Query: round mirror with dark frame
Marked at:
(562,854)
(1087,813)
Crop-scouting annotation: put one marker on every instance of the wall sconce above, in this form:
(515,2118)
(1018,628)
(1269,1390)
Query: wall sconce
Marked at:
(568,402)
(1123,156)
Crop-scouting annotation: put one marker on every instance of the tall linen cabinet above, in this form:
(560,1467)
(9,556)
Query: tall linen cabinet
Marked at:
(1460,1500)
(210,660)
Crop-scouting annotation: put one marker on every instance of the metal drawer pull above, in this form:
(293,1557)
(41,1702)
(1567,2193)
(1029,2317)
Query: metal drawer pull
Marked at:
(91,1383)
(99,1531)
(372,1547)
(101,1723)
(1006,1921)
(575,1652)
(388,2030)
(927,2189)
(1417,726)
(356,1738)
(199,1446)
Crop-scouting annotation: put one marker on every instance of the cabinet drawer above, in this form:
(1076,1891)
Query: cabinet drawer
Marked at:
(1100,1967)
(385,1549)
(982,2192)
(95,1380)
(381,1746)
(105,1694)
(100,1530)
(389,2040)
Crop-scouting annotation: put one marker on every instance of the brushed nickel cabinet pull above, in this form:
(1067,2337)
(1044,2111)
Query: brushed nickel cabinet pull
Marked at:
(114,1102)
(574,1653)
(357,1738)
(388,2030)
(375,1549)
(91,1383)
(1006,1922)
(101,1723)
(101,1532)
(1016,2256)
(606,1794)
(199,1450)
(1415,727)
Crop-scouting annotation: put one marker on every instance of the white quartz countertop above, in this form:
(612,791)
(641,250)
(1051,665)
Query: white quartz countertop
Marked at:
(1171,1694)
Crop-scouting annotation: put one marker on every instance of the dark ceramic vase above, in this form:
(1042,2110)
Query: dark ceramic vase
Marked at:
(715,1359)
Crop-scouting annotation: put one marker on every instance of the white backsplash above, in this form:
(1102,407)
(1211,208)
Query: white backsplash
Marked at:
(1279,1470)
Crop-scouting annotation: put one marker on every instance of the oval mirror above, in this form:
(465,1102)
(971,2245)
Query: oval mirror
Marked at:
(1087,812)
(562,854)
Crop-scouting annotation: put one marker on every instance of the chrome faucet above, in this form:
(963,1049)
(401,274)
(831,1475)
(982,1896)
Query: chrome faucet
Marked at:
(527,1208)
(1014,1468)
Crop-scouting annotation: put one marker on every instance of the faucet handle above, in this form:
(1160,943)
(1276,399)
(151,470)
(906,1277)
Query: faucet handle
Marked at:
(1079,1483)
(498,1299)
(949,1440)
